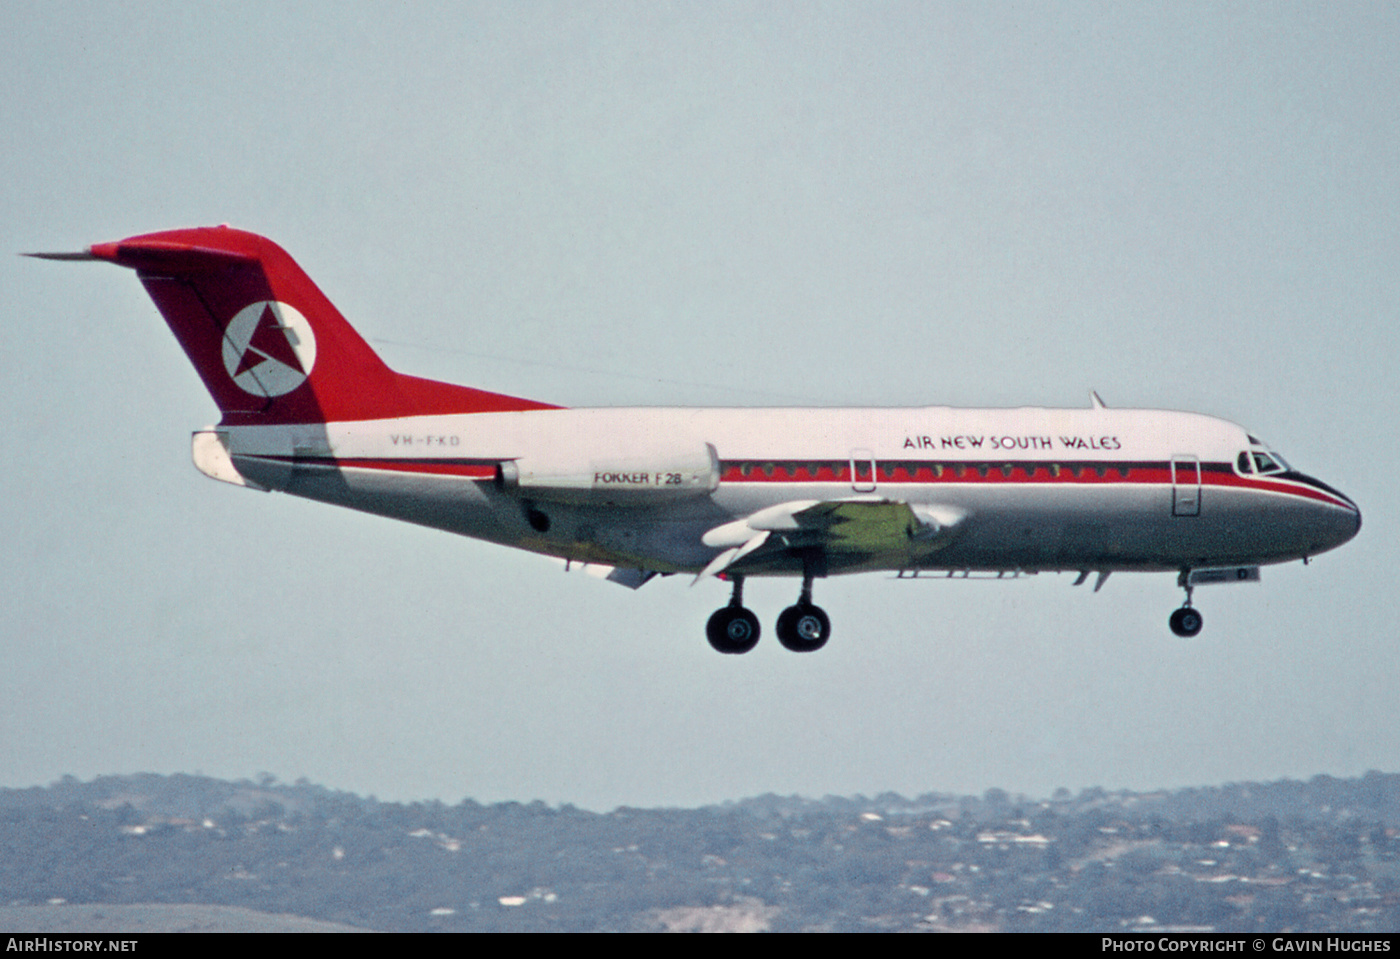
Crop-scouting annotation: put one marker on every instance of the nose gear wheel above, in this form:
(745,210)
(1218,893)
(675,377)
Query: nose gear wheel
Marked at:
(1186,621)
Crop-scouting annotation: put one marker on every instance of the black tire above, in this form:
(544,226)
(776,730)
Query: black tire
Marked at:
(803,628)
(1186,621)
(732,630)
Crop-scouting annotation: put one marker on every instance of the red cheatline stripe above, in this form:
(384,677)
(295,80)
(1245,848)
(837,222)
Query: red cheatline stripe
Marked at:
(1020,474)
(1212,474)
(443,468)
(1287,487)
(787,472)
(470,469)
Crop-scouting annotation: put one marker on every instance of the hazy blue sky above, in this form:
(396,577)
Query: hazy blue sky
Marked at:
(1188,206)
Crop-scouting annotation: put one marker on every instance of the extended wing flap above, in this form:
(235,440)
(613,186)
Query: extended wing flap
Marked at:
(871,526)
(856,526)
(859,527)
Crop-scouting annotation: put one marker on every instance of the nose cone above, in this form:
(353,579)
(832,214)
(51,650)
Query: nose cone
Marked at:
(1335,519)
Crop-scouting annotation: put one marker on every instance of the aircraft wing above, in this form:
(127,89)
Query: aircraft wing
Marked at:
(848,526)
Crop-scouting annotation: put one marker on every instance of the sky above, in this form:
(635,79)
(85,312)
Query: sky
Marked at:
(1181,206)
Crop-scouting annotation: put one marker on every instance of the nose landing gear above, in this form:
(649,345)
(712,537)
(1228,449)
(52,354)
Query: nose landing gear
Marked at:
(1186,621)
(733,629)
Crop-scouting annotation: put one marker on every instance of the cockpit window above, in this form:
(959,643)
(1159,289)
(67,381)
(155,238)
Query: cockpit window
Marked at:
(1265,463)
(1245,464)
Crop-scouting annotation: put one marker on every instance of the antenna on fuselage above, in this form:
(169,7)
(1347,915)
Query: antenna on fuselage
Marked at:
(1095,400)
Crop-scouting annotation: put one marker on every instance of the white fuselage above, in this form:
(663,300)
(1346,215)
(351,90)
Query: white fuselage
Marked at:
(1034,489)
(310,409)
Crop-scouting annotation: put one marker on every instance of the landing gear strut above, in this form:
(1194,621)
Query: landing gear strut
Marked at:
(1186,621)
(733,629)
(804,628)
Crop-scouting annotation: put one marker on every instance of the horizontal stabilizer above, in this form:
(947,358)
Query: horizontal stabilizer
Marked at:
(79,257)
(209,449)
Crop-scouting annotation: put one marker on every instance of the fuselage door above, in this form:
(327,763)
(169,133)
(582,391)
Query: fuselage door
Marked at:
(1186,485)
(862,471)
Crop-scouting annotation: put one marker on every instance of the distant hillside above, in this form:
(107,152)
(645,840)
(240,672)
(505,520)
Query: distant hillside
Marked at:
(107,918)
(1321,855)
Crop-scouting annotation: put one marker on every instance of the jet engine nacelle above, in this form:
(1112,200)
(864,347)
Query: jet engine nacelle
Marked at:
(622,480)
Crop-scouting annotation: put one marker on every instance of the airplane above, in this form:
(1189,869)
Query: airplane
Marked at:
(628,494)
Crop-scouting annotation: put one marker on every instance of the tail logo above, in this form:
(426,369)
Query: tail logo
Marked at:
(269,348)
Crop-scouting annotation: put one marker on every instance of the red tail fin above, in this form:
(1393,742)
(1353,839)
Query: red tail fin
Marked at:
(267,343)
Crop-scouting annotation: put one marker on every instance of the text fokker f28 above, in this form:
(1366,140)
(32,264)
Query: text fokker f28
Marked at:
(309,409)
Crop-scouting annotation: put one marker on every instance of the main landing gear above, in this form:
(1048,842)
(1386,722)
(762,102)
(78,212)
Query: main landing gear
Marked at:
(802,628)
(732,628)
(1186,621)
